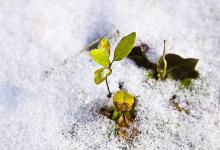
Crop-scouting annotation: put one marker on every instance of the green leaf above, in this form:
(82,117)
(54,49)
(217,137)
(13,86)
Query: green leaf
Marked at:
(100,57)
(180,68)
(104,45)
(115,115)
(123,101)
(101,74)
(124,47)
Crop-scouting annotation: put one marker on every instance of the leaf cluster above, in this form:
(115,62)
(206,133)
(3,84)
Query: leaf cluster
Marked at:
(124,108)
(123,112)
(101,55)
(168,66)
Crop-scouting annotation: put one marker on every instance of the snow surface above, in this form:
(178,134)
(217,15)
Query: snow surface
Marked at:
(47,91)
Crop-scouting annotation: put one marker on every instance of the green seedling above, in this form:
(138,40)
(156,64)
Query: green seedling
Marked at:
(168,66)
(123,113)
(101,55)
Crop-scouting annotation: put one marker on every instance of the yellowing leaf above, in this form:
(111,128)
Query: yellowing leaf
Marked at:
(104,45)
(100,57)
(123,101)
(101,74)
(125,119)
(162,65)
(161,68)
(124,47)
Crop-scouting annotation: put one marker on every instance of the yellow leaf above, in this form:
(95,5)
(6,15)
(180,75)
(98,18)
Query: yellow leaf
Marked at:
(100,57)
(104,45)
(123,101)
(125,119)
(101,74)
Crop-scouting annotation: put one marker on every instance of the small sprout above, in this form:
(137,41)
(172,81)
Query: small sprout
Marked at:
(162,65)
(168,66)
(102,53)
(123,112)
(123,101)
(176,67)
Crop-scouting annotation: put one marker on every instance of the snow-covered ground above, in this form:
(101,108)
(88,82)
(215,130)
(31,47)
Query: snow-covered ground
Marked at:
(47,91)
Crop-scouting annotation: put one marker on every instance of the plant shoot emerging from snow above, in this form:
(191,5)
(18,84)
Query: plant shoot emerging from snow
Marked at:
(123,103)
(176,67)
(102,53)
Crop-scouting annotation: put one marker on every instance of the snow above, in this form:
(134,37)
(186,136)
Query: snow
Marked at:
(47,90)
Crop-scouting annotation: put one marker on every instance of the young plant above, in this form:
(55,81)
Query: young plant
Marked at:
(123,112)
(176,67)
(102,53)
(168,65)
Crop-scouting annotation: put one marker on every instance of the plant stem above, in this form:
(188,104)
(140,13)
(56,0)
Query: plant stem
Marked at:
(164,60)
(123,115)
(109,93)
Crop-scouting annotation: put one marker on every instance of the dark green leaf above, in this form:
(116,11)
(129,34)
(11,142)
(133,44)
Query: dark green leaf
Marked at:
(180,68)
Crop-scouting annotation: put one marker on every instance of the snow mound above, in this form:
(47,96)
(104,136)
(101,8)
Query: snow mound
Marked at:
(48,99)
